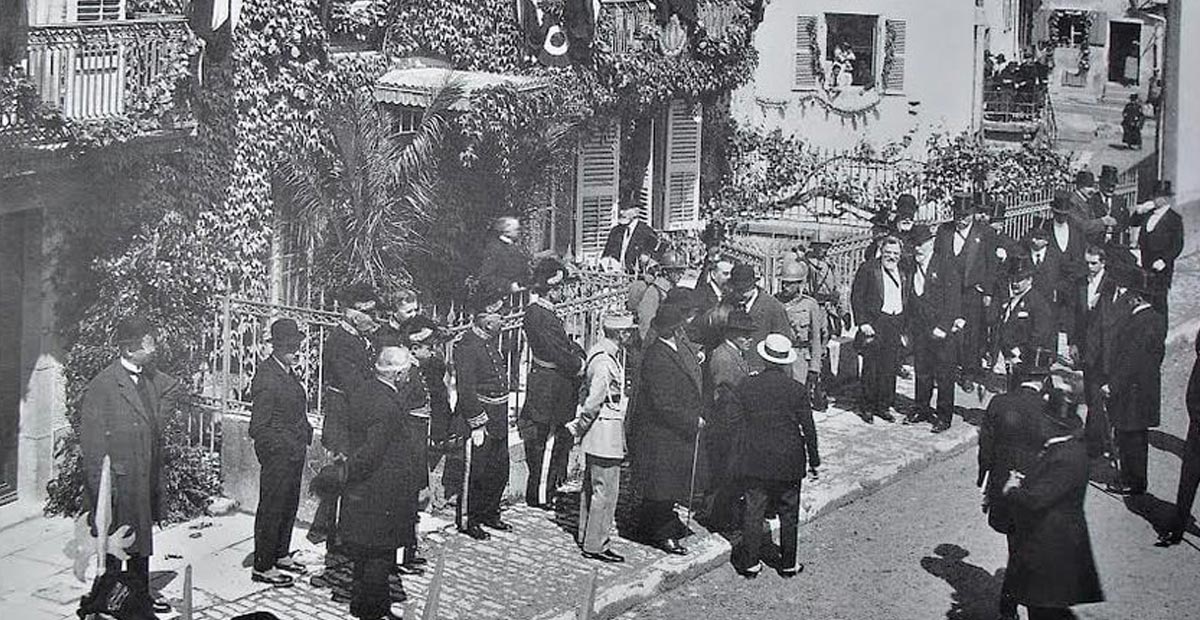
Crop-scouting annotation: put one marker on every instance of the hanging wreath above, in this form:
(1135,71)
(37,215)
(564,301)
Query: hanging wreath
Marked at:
(1085,58)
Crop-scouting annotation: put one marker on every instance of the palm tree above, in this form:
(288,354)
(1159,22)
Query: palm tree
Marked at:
(364,205)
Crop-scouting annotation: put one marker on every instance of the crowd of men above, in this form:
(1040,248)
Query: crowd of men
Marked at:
(706,391)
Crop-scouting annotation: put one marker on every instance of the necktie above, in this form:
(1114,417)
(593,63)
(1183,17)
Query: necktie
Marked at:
(919,281)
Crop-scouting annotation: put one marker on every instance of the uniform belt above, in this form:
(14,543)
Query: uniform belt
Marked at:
(544,363)
(493,400)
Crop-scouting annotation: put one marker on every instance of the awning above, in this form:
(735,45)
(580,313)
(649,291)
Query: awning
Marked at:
(416,87)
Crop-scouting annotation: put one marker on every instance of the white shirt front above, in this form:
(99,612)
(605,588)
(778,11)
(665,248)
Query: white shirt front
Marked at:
(960,239)
(1093,289)
(749,303)
(919,278)
(1038,256)
(1012,305)
(1155,216)
(893,302)
(135,371)
(626,239)
(1062,235)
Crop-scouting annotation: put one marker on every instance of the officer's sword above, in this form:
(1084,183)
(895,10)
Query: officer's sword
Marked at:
(692,484)
(460,516)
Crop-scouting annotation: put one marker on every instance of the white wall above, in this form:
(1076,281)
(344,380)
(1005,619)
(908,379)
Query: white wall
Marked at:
(1181,139)
(939,74)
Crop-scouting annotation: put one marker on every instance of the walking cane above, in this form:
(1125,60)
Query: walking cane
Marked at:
(460,516)
(692,484)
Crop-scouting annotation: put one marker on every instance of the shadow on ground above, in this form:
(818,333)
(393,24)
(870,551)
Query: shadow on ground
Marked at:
(976,593)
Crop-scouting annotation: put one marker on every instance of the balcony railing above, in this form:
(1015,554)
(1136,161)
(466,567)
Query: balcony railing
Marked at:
(632,22)
(101,70)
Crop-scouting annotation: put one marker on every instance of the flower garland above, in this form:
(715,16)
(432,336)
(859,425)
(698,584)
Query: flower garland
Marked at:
(814,51)
(889,53)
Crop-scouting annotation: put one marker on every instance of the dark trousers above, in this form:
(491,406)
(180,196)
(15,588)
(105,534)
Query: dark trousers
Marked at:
(657,521)
(489,470)
(542,442)
(1134,448)
(974,340)
(1097,431)
(1050,613)
(278,500)
(933,364)
(1189,478)
(369,595)
(720,508)
(881,359)
(784,497)
(138,565)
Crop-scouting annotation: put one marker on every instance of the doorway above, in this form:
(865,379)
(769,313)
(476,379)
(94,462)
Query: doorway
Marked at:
(1124,53)
(12,277)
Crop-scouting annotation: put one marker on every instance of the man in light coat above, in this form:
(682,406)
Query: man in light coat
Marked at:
(600,423)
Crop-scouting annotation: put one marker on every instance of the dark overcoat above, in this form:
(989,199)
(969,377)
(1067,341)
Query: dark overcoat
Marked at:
(669,407)
(770,317)
(1165,242)
(1030,324)
(279,411)
(937,308)
(643,241)
(554,368)
(1050,562)
(1089,324)
(776,437)
(114,421)
(503,265)
(346,365)
(1135,383)
(1009,440)
(378,500)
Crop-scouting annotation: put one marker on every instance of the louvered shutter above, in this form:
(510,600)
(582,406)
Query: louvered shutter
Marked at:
(95,10)
(683,167)
(646,191)
(596,190)
(806,33)
(896,30)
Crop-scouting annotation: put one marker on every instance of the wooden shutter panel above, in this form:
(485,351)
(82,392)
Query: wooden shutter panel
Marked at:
(1098,35)
(596,189)
(682,172)
(895,30)
(646,191)
(97,10)
(806,32)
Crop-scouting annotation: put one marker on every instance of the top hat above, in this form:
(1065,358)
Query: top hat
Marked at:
(777,349)
(671,260)
(906,207)
(920,235)
(1108,176)
(742,279)
(668,318)
(133,329)
(1061,203)
(1020,268)
(818,247)
(1084,178)
(285,333)
(740,321)
(548,273)
(618,319)
(981,202)
(1141,281)
(360,296)
(962,205)
(1162,188)
(683,297)
(998,212)
(881,220)
(1034,361)
(421,329)
(793,270)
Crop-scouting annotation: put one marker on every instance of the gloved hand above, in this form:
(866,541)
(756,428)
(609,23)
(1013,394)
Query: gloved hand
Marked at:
(959,323)
(939,333)
(477,436)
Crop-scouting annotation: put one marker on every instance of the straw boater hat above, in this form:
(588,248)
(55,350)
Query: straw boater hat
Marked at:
(777,349)
(618,320)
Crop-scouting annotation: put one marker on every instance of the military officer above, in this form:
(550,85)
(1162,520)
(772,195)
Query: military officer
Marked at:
(808,323)
(601,425)
(934,323)
(556,363)
(281,433)
(822,285)
(483,402)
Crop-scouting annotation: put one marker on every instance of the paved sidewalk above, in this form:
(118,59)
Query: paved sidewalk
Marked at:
(533,572)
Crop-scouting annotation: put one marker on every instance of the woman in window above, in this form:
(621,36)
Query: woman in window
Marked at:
(843,65)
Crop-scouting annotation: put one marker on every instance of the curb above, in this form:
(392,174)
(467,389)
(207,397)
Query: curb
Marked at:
(712,551)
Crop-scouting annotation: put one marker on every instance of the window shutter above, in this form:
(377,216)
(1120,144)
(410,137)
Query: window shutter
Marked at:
(646,191)
(97,10)
(1099,30)
(683,167)
(596,189)
(896,30)
(806,33)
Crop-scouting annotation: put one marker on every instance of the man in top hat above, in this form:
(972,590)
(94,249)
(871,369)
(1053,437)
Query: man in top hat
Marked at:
(724,371)
(1082,204)
(505,265)
(776,441)
(1105,203)
(482,386)
(1096,300)
(669,271)
(1134,388)
(1027,320)
(556,363)
(121,416)
(600,423)
(769,315)
(671,412)
(879,297)
(628,240)
(1054,278)
(935,320)
(807,320)
(281,433)
(713,285)
(970,249)
(1160,240)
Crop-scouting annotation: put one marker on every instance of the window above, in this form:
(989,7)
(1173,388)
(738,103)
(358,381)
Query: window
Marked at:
(406,120)
(1069,28)
(850,41)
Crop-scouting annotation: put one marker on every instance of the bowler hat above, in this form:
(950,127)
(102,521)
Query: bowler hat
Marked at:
(618,319)
(1020,268)
(1084,178)
(1061,203)
(133,329)
(906,207)
(683,297)
(668,318)
(740,321)
(962,205)
(920,235)
(742,278)
(1039,232)
(284,332)
(777,349)
(1162,188)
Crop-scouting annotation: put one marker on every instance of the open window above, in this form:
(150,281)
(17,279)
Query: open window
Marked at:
(852,39)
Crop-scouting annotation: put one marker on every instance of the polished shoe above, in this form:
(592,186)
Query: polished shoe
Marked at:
(407,570)
(161,606)
(476,532)
(917,418)
(940,427)
(498,525)
(272,577)
(886,416)
(867,417)
(788,573)
(671,546)
(416,560)
(291,565)
(613,555)
(1117,488)
(1169,539)
(750,573)
(603,557)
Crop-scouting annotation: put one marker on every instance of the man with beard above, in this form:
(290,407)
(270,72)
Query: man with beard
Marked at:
(630,239)
(879,297)
(934,323)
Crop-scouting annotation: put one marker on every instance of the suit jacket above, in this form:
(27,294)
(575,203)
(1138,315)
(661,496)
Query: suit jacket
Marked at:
(554,369)
(346,366)
(1164,243)
(1106,204)
(115,421)
(940,304)
(643,241)
(724,370)
(279,411)
(773,422)
(1135,383)
(976,264)
(1089,326)
(769,318)
(670,404)
(1029,324)
(1083,214)
(866,293)
(503,265)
